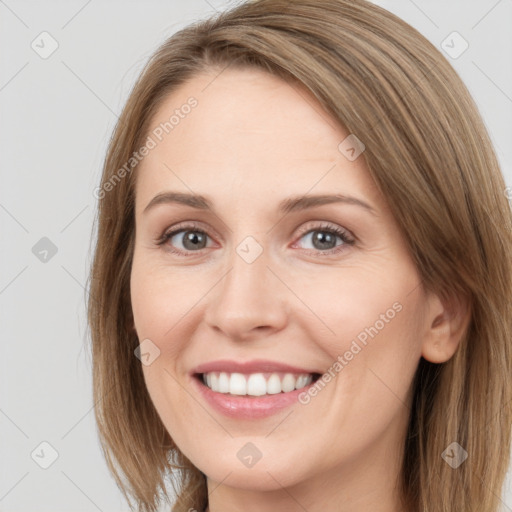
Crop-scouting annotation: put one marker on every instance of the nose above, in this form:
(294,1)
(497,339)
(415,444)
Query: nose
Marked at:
(249,301)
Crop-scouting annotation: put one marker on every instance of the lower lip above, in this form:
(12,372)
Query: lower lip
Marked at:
(245,407)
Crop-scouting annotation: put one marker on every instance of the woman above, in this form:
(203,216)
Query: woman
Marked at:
(340,340)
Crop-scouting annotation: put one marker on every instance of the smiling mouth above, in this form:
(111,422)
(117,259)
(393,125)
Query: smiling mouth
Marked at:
(255,384)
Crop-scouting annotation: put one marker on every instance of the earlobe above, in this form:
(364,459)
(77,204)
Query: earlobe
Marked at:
(445,326)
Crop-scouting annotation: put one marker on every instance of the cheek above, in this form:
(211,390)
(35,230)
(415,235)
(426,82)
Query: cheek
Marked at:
(159,301)
(366,316)
(162,314)
(356,304)
(369,326)
(339,308)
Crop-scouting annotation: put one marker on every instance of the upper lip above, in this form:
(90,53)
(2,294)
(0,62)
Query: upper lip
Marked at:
(253,366)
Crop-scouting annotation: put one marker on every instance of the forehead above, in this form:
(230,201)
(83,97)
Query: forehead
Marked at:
(247,132)
(248,106)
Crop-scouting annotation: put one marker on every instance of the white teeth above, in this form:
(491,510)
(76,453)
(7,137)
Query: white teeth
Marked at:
(288,383)
(255,384)
(237,384)
(301,382)
(214,380)
(274,384)
(223,386)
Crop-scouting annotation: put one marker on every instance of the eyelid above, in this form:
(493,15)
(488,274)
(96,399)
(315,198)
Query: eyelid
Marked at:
(313,225)
(302,230)
(191,225)
(323,224)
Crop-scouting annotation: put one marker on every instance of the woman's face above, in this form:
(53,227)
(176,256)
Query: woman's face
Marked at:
(246,280)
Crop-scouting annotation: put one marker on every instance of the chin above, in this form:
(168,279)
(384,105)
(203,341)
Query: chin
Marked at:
(272,474)
(258,480)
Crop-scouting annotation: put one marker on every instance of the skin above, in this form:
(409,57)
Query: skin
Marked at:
(252,141)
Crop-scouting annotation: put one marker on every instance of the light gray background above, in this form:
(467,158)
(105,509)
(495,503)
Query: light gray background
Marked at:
(57,115)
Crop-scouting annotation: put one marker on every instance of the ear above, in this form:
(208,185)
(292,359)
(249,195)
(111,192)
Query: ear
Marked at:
(446,322)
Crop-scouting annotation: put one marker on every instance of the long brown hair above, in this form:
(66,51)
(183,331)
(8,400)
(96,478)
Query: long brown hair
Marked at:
(430,155)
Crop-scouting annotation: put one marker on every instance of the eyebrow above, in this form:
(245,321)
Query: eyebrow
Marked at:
(291,204)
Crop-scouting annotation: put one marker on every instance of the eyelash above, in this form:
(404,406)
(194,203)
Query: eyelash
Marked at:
(329,228)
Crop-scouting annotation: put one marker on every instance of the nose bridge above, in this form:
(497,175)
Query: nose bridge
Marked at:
(247,279)
(246,296)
